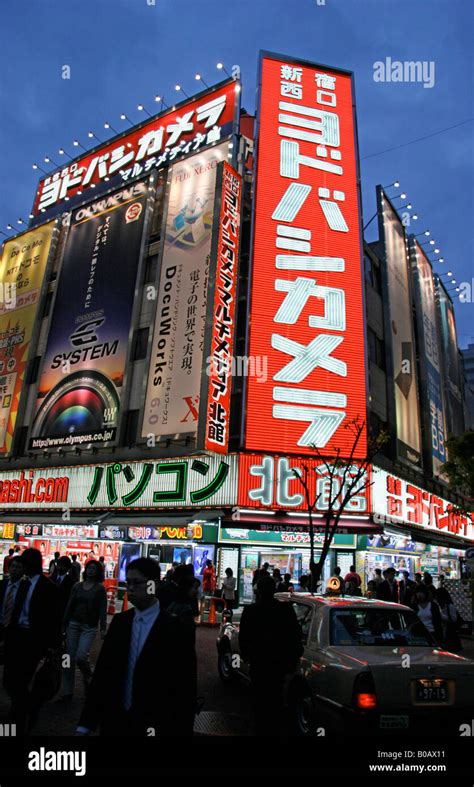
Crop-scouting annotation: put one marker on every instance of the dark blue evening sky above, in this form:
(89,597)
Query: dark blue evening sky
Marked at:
(122,52)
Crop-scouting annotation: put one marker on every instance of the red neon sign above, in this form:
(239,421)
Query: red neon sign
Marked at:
(307,313)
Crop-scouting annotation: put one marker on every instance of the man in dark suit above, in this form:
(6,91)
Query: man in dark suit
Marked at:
(388,589)
(144,682)
(33,628)
(64,582)
(270,640)
(8,589)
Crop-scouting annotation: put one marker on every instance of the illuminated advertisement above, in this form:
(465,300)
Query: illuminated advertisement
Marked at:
(306,297)
(214,418)
(80,387)
(271,481)
(450,361)
(430,382)
(396,501)
(399,334)
(188,482)
(22,271)
(157,143)
(174,380)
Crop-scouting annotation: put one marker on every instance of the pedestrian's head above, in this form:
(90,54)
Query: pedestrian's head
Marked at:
(188,587)
(101,559)
(266,566)
(276,573)
(337,571)
(287,578)
(441,580)
(11,551)
(304,581)
(15,569)
(32,562)
(209,563)
(265,589)
(371,585)
(418,579)
(390,574)
(352,568)
(378,572)
(17,549)
(442,597)
(427,578)
(73,558)
(422,594)
(229,572)
(143,579)
(64,565)
(56,555)
(93,571)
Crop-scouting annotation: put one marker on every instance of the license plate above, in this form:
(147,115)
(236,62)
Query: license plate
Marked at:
(394,722)
(431,691)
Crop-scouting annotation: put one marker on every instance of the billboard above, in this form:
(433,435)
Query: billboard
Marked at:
(188,482)
(396,501)
(174,377)
(22,272)
(80,388)
(433,410)
(306,264)
(450,361)
(399,334)
(216,382)
(155,144)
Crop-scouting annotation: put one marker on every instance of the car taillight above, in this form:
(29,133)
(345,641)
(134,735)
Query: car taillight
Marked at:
(366,701)
(365,697)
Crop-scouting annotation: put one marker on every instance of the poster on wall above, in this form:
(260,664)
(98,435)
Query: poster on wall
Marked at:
(430,362)
(400,333)
(174,377)
(81,384)
(22,270)
(450,361)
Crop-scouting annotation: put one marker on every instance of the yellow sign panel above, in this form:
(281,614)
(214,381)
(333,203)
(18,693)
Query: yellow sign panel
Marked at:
(22,269)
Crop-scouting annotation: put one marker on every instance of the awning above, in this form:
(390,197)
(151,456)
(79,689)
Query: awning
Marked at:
(132,518)
(283,521)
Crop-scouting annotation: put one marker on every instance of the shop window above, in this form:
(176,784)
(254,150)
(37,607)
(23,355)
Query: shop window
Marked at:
(140,344)
(34,369)
(130,427)
(47,304)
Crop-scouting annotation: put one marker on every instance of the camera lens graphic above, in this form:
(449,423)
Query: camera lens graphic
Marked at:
(77,405)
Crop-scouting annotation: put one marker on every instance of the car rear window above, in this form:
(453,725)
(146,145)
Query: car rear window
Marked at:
(378,627)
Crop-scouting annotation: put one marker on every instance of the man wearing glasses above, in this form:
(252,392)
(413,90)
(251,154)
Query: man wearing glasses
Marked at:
(144,682)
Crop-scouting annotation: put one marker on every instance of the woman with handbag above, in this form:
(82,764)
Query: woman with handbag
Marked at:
(228,589)
(86,609)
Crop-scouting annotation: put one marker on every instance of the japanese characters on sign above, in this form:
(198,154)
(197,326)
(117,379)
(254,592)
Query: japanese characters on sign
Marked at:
(399,333)
(174,377)
(214,419)
(192,532)
(395,500)
(70,531)
(187,482)
(22,270)
(430,381)
(270,481)
(306,265)
(157,143)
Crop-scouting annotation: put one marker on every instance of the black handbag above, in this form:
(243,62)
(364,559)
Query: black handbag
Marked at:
(47,680)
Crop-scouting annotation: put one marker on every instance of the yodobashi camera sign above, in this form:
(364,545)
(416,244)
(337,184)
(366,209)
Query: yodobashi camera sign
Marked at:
(306,264)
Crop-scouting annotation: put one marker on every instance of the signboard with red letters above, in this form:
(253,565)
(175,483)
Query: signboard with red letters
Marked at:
(306,311)
(395,500)
(158,143)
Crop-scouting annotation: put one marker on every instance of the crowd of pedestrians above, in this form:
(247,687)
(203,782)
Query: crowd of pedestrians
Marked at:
(48,625)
